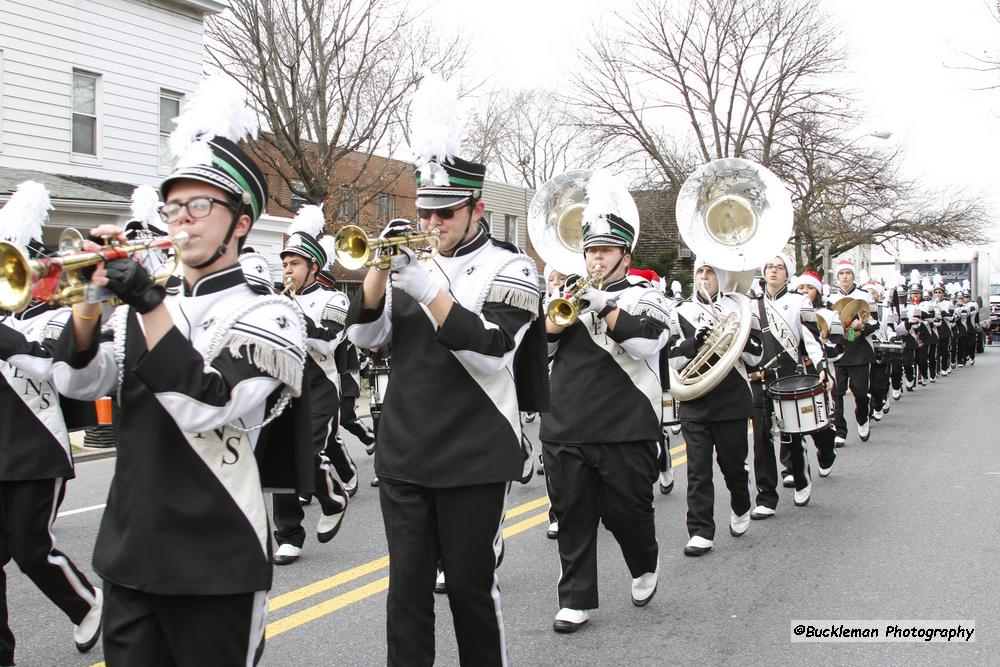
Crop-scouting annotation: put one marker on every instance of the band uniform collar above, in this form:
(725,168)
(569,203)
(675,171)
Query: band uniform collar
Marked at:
(217,281)
(33,310)
(313,287)
(782,292)
(471,246)
(618,285)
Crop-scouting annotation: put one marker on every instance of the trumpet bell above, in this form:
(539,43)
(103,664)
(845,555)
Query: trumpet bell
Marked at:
(562,312)
(734,212)
(15,277)
(352,247)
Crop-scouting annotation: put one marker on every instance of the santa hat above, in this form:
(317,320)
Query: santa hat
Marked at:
(789,264)
(811,278)
(648,275)
(845,264)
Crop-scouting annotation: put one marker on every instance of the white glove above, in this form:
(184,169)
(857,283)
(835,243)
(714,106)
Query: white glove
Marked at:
(414,280)
(596,300)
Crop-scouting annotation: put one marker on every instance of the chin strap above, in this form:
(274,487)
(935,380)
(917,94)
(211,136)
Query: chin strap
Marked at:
(221,250)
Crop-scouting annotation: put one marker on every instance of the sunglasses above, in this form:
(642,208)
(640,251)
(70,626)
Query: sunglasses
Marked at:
(443,213)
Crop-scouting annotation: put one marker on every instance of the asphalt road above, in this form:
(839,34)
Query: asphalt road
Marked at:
(906,527)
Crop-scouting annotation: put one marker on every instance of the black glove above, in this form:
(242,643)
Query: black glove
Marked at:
(571,280)
(689,348)
(129,282)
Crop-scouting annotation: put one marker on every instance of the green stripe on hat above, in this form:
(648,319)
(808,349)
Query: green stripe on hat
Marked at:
(455,180)
(238,177)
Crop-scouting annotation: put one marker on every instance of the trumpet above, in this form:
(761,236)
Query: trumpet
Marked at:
(564,311)
(290,287)
(58,280)
(354,249)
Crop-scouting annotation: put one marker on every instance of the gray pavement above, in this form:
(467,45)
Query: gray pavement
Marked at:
(905,528)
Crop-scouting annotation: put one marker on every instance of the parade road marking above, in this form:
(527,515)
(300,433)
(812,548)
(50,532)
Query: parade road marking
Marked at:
(82,510)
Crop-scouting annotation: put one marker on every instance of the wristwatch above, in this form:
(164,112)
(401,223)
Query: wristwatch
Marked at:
(609,305)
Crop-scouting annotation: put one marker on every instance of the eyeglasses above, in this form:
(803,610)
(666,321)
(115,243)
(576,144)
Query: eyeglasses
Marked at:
(774,267)
(198,207)
(443,213)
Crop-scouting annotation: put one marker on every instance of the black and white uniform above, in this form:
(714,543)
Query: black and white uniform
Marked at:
(788,333)
(916,332)
(349,363)
(184,546)
(325,311)
(974,336)
(945,339)
(719,418)
(35,462)
(449,443)
(600,438)
(852,370)
(881,369)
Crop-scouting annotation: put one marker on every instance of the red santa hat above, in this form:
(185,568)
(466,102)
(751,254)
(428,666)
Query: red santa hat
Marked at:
(646,274)
(845,264)
(811,278)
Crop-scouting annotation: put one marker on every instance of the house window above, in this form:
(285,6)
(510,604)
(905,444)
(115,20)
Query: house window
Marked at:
(1,99)
(488,219)
(510,229)
(84,113)
(385,207)
(170,108)
(347,209)
(683,252)
(297,202)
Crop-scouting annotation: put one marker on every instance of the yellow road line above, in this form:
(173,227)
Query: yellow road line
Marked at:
(530,522)
(524,508)
(291,597)
(329,606)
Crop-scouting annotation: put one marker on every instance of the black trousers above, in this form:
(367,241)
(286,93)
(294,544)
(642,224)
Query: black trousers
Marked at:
(350,422)
(879,383)
(462,525)
(944,354)
(729,440)
(825,448)
(920,359)
(932,360)
(182,630)
(765,467)
(896,370)
(973,343)
(27,510)
(288,513)
(609,483)
(857,378)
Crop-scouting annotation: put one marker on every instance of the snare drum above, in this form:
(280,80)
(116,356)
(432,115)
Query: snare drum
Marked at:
(801,404)
(378,384)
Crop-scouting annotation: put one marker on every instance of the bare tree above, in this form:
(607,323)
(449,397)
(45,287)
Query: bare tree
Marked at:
(734,73)
(330,79)
(849,193)
(527,137)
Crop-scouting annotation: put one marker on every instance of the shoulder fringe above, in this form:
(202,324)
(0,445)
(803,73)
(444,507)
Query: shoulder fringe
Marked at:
(334,314)
(499,290)
(271,360)
(653,310)
(513,296)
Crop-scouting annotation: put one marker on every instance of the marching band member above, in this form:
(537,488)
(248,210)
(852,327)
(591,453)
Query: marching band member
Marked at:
(35,455)
(449,441)
(810,284)
(324,311)
(852,370)
(789,332)
(915,363)
(880,369)
(974,327)
(600,437)
(553,285)
(183,546)
(944,330)
(717,420)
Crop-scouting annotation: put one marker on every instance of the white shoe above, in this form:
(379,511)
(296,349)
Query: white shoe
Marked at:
(350,488)
(667,481)
(440,586)
(885,408)
(697,546)
(910,384)
(839,442)
(553,531)
(328,526)
(675,429)
(570,620)
(825,472)
(762,512)
(933,379)
(89,631)
(897,394)
(287,553)
(877,415)
(788,481)
(738,525)
(863,431)
(801,498)
(644,587)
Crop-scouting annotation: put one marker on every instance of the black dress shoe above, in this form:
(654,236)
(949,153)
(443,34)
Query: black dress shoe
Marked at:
(696,551)
(440,587)
(566,627)
(374,481)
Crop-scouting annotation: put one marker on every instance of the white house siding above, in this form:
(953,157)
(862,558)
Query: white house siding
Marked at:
(503,199)
(138,47)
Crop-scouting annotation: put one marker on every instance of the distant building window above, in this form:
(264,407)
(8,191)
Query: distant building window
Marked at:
(347,209)
(297,202)
(170,108)
(1,99)
(683,252)
(85,113)
(385,207)
(510,229)
(488,219)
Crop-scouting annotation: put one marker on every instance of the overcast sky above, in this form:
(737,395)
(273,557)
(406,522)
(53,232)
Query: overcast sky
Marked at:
(908,67)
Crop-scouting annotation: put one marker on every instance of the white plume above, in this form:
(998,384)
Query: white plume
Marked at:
(22,218)
(966,284)
(604,195)
(915,276)
(926,283)
(330,246)
(217,109)
(309,219)
(675,288)
(435,126)
(937,279)
(146,206)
